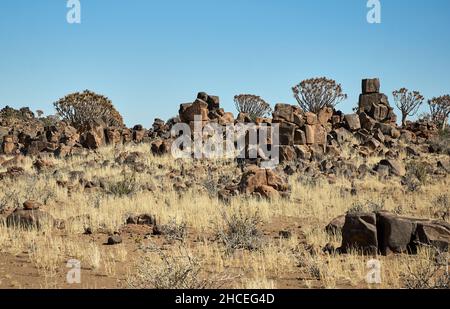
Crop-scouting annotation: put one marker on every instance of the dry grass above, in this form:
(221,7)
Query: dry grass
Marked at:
(247,249)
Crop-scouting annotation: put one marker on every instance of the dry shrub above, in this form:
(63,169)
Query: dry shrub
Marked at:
(309,263)
(124,187)
(428,272)
(241,231)
(418,170)
(441,206)
(177,269)
(366,206)
(173,230)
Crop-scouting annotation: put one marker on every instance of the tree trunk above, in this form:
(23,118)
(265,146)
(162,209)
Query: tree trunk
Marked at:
(404,116)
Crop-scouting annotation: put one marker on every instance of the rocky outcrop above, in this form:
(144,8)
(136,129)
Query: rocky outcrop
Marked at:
(385,233)
(360,233)
(305,138)
(263,181)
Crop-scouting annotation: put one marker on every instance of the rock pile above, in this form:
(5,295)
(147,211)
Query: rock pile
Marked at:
(375,104)
(421,130)
(304,136)
(207,107)
(63,140)
(258,182)
(300,132)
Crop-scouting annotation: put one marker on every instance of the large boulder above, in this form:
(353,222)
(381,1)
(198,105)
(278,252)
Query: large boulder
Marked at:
(341,135)
(299,137)
(433,233)
(395,233)
(213,102)
(367,123)
(360,233)
(335,226)
(352,122)
(287,153)
(310,134)
(320,135)
(198,108)
(113,136)
(396,167)
(287,131)
(311,118)
(94,137)
(255,180)
(138,134)
(325,115)
(284,112)
(8,146)
(387,233)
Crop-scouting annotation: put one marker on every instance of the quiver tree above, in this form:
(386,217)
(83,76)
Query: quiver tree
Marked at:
(252,105)
(87,108)
(316,93)
(440,110)
(408,102)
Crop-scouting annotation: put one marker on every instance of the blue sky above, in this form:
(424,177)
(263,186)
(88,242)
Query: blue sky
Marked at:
(149,56)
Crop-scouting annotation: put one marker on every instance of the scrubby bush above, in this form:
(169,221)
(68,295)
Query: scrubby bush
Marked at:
(427,272)
(241,231)
(252,105)
(310,264)
(441,206)
(173,230)
(316,93)
(366,206)
(124,187)
(418,170)
(87,108)
(174,270)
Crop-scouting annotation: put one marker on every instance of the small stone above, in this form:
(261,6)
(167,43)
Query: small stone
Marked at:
(285,234)
(88,231)
(114,240)
(31,205)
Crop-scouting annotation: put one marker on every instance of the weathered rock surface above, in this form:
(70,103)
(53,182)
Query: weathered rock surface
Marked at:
(387,233)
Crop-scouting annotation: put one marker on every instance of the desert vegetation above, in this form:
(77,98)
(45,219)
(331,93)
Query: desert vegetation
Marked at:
(440,110)
(316,93)
(88,108)
(349,189)
(408,102)
(252,105)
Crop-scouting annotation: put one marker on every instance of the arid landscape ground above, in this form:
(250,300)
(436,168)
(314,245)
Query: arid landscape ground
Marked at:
(135,217)
(194,219)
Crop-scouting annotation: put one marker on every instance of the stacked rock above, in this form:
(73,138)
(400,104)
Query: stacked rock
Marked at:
(207,107)
(299,130)
(375,104)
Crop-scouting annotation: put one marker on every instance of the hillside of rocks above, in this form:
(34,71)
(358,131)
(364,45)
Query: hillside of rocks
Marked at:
(316,143)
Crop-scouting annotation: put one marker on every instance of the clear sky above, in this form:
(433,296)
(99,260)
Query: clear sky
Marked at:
(149,56)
